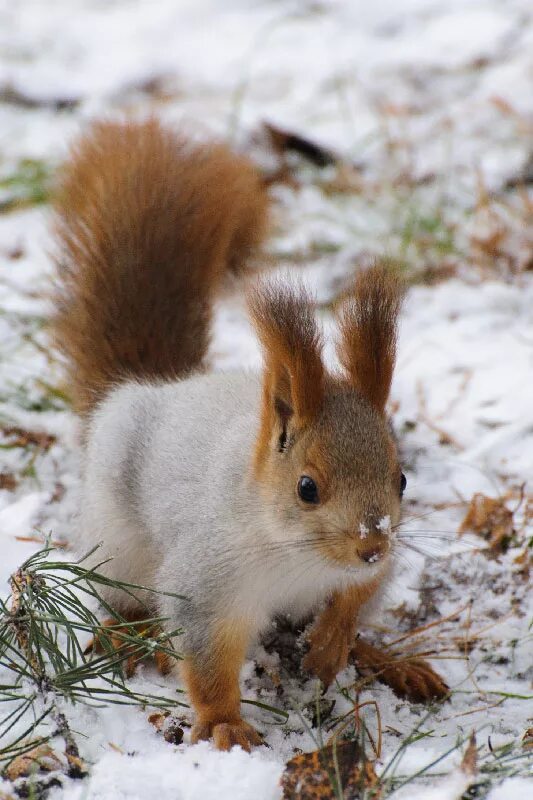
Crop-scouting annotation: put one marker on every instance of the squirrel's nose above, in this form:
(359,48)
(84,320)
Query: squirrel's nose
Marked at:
(374,552)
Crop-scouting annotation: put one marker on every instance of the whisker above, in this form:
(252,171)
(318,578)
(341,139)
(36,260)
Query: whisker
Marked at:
(445,531)
(256,554)
(403,558)
(415,549)
(415,518)
(432,539)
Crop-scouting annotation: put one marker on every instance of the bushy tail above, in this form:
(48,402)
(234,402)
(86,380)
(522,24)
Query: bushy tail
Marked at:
(146,224)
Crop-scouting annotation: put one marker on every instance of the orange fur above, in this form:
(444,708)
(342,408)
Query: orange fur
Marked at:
(293,378)
(411,678)
(332,636)
(332,644)
(146,225)
(213,686)
(116,639)
(368,325)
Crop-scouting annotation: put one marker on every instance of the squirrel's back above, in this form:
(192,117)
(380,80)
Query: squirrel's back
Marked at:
(146,225)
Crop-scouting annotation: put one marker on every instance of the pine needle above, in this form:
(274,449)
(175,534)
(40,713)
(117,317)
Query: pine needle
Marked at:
(52,604)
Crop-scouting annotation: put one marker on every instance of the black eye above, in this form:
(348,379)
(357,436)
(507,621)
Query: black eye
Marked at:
(403,484)
(307,489)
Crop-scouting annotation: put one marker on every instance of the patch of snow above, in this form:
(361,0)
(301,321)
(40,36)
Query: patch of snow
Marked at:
(384,525)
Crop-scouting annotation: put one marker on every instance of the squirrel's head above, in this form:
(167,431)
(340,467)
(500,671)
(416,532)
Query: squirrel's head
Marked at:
(325,459)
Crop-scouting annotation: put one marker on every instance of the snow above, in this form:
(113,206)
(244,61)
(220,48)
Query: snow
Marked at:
(517,788)
(436,91)
(197,772)
(384,525)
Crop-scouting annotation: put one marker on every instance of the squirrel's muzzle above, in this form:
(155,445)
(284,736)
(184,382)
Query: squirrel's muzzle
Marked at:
(374,543)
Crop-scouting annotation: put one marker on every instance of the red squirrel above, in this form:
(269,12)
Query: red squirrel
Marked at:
(247,495)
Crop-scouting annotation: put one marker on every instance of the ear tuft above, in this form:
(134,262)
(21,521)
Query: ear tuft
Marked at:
(369,326)
(283,316)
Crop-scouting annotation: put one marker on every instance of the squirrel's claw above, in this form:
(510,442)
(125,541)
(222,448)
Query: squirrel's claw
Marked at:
(409,678)
(416,681)
(226,735)
(332,646)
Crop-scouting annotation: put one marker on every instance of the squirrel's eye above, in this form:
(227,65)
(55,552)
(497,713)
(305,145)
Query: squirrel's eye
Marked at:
(403,484)
(307,489)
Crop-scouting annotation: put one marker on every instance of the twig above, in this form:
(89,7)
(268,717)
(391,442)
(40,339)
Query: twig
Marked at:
(429,625)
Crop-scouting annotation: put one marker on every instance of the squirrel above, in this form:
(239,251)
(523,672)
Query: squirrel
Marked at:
(239,497)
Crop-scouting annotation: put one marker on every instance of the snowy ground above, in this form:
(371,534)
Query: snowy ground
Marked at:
(429,104)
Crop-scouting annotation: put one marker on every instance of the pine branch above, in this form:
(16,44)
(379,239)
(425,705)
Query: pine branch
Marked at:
(22,584)
(40,625)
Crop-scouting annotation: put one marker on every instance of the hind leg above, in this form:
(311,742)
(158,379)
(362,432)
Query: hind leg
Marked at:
(116,635)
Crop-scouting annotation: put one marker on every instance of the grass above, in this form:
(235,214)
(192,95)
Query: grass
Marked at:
(28,184)
(482,767)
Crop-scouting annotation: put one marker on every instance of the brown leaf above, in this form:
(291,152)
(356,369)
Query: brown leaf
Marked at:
(314,776)
(283,141)
(22,438)
(168,725)
(172,731)
(523,561)
(527,739)
(8,481)
(490,518)
(157,719)
(503,105)
(40,759)
(58,493)
(469,762)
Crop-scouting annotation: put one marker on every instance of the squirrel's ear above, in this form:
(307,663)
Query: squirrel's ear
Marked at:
(293,386)
(368,326)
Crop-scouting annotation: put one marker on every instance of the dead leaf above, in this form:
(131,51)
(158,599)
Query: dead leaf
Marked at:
(347,180)
(283,141)
(172,731)
(40,759)
(8,481)
(527,739)
(523,561)
(314,776)
(469,762)
(490,518)
(503,105)
(22,438)
(157,719)
(168,725)
(58,493)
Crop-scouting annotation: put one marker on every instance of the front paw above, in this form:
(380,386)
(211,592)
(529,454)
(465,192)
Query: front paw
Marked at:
(409,678)
(327,655)
(415,680)
(226,735)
